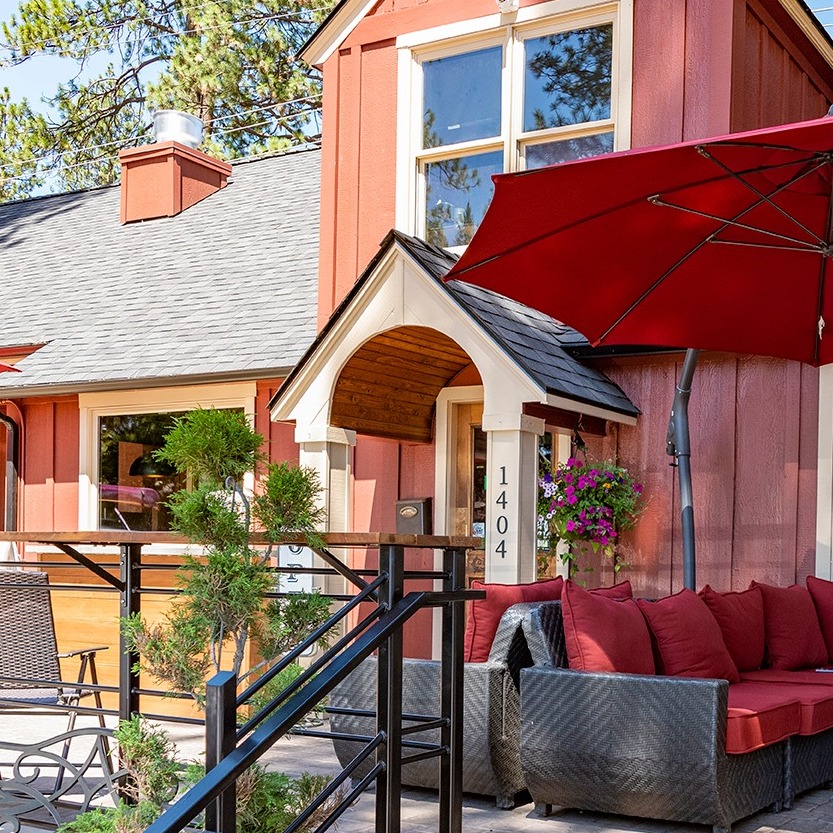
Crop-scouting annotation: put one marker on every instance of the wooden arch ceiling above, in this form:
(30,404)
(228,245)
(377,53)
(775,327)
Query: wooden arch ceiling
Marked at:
(389,386)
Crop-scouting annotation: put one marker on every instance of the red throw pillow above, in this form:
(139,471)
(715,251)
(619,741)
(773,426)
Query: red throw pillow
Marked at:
(616,591)
(740,617)
(793,634)
(688,638)
(484,614)
(821,592)
(603,633)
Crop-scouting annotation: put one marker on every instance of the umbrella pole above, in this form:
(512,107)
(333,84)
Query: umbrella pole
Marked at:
(678,445)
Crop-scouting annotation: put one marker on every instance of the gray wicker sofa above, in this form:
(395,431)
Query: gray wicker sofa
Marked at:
(491,714)
(655,746)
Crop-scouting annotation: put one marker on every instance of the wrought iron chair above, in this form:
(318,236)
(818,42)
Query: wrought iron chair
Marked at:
(29,658)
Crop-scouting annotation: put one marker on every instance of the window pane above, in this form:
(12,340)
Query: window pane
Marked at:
(457,194)
(551,153)
(567,78)
(132,485)
(461,97)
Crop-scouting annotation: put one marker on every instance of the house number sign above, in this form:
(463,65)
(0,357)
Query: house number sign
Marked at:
(501,518)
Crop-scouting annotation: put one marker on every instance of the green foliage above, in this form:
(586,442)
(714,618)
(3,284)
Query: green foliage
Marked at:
(222,601)
(147,753)
(212,444)
(233,64)
(205,514)
(289,502)
(123,818)
(177,652)
(287,617)
(270,801)
(225,590)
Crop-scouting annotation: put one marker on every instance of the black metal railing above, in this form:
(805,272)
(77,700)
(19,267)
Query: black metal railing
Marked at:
(231,750)
(235,739)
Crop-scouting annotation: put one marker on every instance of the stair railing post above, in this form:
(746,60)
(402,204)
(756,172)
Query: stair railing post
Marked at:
(451,694)
(130,570)
(389,699)
(220,741)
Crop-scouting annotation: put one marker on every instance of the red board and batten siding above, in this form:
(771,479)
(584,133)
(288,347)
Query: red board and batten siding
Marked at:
(776,81)
(279,437)
(50,464)
(754,425)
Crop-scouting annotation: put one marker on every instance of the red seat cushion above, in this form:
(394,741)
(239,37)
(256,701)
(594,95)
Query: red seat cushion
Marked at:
(603,633)
(740,617)
(806,677)
(688,637)
(759,715)
(821,592)
(816,707)
(793,634)
(484,614)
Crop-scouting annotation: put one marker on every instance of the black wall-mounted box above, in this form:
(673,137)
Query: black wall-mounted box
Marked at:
(413,517)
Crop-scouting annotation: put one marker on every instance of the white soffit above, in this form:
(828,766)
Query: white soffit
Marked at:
(335,29)
(806,21)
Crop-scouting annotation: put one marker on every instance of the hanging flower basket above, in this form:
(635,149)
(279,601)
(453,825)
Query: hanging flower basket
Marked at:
(588,504)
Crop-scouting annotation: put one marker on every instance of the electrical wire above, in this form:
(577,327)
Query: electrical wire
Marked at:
(126,142)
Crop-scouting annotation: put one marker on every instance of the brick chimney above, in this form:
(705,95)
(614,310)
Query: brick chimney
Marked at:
(165,178)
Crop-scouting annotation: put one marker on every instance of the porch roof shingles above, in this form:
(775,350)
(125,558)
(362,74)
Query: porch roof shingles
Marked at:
(538,343)
(227,288)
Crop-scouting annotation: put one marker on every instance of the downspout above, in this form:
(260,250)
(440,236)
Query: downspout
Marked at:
(12,467)
(678,445)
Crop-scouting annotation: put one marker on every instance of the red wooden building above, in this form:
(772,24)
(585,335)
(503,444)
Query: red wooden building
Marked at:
(412,389)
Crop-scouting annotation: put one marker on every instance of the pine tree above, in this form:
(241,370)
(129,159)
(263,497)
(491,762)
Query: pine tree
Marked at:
(232,63)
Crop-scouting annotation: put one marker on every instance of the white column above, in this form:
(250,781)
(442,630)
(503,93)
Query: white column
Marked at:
(511,497)
(327,452)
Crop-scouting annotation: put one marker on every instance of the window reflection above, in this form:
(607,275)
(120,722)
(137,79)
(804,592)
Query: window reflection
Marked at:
(457,194)
(551,153)
(461,97)
(567,78)
(133,486)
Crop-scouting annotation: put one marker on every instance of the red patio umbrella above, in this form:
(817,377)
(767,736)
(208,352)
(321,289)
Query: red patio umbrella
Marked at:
(721,244)
(11,367)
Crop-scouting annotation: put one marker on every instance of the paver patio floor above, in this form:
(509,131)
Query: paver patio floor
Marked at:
(812,813)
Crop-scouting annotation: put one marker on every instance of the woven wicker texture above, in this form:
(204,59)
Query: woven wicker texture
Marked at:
(644,746)
(491,714)
(810,762)
(28,648)
(543,628)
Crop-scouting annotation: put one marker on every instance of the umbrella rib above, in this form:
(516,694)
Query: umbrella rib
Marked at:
(664,275)
(820,163)
(727,223)
(810,250)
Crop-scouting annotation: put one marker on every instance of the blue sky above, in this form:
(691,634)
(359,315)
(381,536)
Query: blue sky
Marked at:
(36,77)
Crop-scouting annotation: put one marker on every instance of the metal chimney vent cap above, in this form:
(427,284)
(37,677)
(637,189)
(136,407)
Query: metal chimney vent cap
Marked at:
(176,126)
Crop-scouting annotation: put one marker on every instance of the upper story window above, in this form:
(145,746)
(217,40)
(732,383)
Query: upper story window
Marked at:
(538,92)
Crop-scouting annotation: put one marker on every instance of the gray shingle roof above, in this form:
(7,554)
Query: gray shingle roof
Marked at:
(227,289)
(538,343)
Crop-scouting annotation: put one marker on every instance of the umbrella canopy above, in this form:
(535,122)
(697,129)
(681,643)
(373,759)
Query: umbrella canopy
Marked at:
(721,244)
(9,367)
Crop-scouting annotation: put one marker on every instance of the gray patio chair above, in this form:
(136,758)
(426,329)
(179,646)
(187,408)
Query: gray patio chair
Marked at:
(29,651)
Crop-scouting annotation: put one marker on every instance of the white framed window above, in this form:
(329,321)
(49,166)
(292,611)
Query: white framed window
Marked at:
(550,86)
(121,486)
